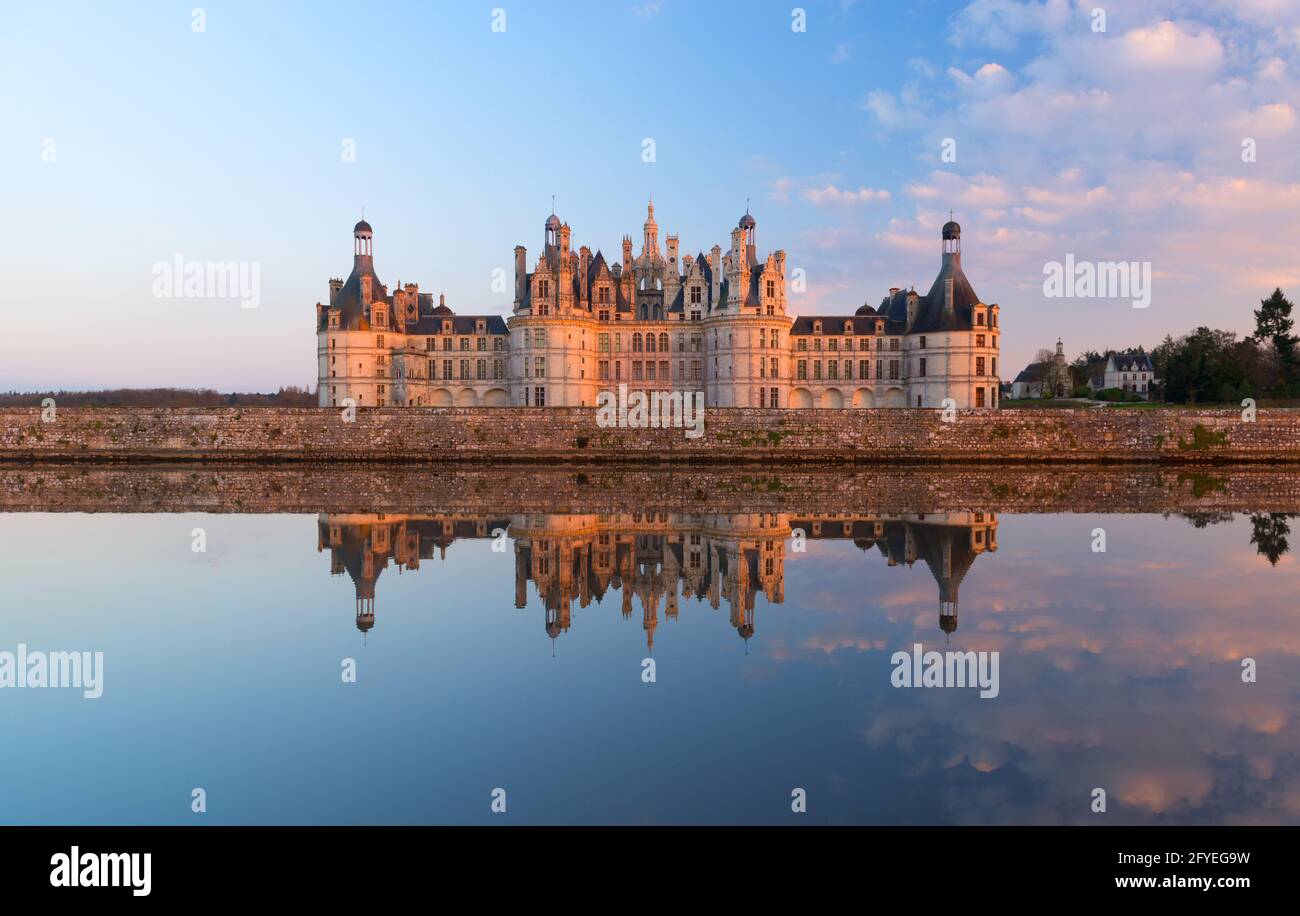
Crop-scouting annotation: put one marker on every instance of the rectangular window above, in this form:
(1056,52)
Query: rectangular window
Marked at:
(864,369)
(602,369)
(663,370)
(464,368)
(817,368)
(539,397)
(922,341)
(602,343)
(979,365)
(480,370)
(539,367)
(893,369)
(979,340)
(921,368)
(637,370)
(496,369)
(979,397)
(833,369)
(446,369)
(801,369)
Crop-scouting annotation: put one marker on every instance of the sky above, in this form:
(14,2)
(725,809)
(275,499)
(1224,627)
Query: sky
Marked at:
(136,133)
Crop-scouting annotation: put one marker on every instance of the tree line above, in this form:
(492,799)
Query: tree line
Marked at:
(291,396)
(1209,366)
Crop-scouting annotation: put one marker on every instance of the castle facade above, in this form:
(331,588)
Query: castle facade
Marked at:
(715,323)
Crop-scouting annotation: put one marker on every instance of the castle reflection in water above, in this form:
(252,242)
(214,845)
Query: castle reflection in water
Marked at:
(653,558)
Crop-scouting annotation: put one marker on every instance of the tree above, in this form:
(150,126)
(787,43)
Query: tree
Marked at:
(1269,535)
(1273,324)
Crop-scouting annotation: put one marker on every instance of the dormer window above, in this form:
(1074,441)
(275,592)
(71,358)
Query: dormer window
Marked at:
(771,288)
(480,327)
(334,320)
(817,327)
(446,328)
(979,319)
(880,327)
(848,327)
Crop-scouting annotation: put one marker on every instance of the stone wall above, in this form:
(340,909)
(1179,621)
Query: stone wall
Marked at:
(731,436)
(604,489)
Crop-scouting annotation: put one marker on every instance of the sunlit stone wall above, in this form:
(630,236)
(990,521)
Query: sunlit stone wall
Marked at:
(572,434)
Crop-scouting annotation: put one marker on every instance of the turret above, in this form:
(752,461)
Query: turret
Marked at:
(362,246)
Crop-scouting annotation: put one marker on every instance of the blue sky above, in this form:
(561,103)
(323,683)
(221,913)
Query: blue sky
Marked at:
(226,144)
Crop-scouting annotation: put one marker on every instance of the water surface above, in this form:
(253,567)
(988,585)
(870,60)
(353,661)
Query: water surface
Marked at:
(515,660)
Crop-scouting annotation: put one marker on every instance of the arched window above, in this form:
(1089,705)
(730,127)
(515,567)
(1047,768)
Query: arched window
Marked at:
(663,343)
(649,343)
(636,343)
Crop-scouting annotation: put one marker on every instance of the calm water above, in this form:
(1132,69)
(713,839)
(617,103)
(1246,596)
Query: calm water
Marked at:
(521,667)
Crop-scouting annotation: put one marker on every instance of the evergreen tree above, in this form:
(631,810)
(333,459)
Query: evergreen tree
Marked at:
(1273,323)
(1269,535)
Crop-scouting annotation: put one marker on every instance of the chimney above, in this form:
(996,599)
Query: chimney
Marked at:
(521,272)
(715,264)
